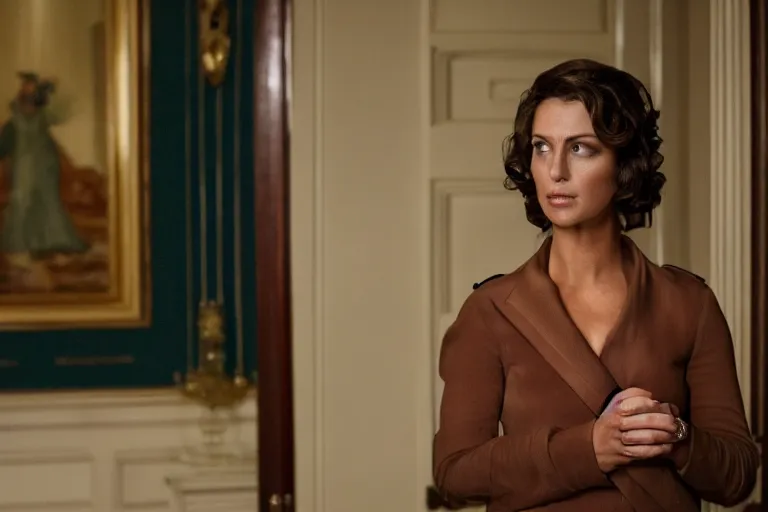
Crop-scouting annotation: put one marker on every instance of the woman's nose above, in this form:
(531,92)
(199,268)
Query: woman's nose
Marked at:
(558,169)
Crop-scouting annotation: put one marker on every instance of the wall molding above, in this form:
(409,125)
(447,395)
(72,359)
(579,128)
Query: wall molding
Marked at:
(123,459)
(104,409)
(445,71)
(227,479)
(40,464)
(25,457)
(443,192)
(307,249)
(729,144)
(229,489)
(730,175)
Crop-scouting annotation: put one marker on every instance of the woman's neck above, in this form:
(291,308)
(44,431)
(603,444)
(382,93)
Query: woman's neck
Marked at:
(582,256)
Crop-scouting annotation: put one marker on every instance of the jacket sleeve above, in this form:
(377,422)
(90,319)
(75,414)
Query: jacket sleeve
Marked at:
(471,461)
(720,460)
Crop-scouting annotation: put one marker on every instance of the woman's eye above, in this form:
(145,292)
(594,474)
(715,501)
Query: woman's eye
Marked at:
(540,146)
(581,149)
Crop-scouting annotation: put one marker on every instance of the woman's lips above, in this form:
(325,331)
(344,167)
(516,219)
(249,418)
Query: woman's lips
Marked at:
(560,200)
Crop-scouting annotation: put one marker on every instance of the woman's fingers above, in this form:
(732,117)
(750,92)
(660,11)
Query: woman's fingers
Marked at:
(631,393)
(655,420)
(638,405)
(646,437)
(639,452)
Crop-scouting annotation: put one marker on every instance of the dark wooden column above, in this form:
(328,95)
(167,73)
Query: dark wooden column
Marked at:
(273,297)
(759,82)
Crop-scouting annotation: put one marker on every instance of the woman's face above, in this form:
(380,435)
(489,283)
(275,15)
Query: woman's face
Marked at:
(28,87)
(575,174)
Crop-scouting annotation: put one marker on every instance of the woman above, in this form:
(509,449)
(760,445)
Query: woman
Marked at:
(613,379)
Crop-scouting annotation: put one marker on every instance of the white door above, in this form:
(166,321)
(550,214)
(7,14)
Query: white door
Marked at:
(399,111)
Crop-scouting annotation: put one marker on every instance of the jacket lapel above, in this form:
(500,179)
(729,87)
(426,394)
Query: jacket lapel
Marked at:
(535,309)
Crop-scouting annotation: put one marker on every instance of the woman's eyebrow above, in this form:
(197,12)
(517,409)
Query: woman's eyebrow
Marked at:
(568,139)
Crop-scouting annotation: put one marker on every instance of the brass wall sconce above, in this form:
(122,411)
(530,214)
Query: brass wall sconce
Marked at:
(209,385)
(215,42)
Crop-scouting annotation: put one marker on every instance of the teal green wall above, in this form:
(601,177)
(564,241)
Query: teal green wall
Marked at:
(160,350)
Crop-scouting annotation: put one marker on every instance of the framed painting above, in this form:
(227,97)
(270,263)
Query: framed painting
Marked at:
(73,165)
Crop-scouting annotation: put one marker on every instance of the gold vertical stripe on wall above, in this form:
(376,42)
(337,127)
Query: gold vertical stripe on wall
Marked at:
(201,178)
(236,192)
(219,196)
(188,184)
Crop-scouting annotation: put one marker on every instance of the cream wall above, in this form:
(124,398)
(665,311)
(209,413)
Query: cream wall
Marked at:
(359,292)
(695,50)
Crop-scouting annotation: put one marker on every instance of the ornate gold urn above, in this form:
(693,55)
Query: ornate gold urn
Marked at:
(209,385)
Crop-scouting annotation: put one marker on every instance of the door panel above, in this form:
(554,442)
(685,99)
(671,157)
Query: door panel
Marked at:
(479,228)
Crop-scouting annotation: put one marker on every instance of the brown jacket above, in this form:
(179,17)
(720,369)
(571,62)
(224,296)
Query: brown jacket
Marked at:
(514,356)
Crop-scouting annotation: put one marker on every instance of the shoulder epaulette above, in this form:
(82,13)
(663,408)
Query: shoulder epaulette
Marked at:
(667,265)
(481,283)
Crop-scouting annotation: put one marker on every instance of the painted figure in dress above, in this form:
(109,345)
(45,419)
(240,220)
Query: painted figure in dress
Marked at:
(42,247)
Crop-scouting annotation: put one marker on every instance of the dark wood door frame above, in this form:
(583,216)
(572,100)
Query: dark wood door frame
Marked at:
(759,98)
(273,279)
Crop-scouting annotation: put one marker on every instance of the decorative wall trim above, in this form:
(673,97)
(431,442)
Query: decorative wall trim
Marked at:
(103,409)
(318,484)
(729,144)
(64,460)
(501,17)
(307,249)
(759,277)
(730,171)
(225,480)
(68,399)
(228,489)
(126,458)
(443,191)
(18,457)
(502,87)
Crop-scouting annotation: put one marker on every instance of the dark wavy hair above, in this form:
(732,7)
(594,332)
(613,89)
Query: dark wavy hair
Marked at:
(623,118)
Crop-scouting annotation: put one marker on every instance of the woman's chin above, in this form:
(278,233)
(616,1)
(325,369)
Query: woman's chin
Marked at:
(574,222)
(565,220)
(575,218)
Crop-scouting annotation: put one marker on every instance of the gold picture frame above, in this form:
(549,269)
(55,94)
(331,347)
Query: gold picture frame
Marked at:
(79,259)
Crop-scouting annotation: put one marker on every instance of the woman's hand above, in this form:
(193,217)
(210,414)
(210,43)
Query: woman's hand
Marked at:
(632,427)
(657,427)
